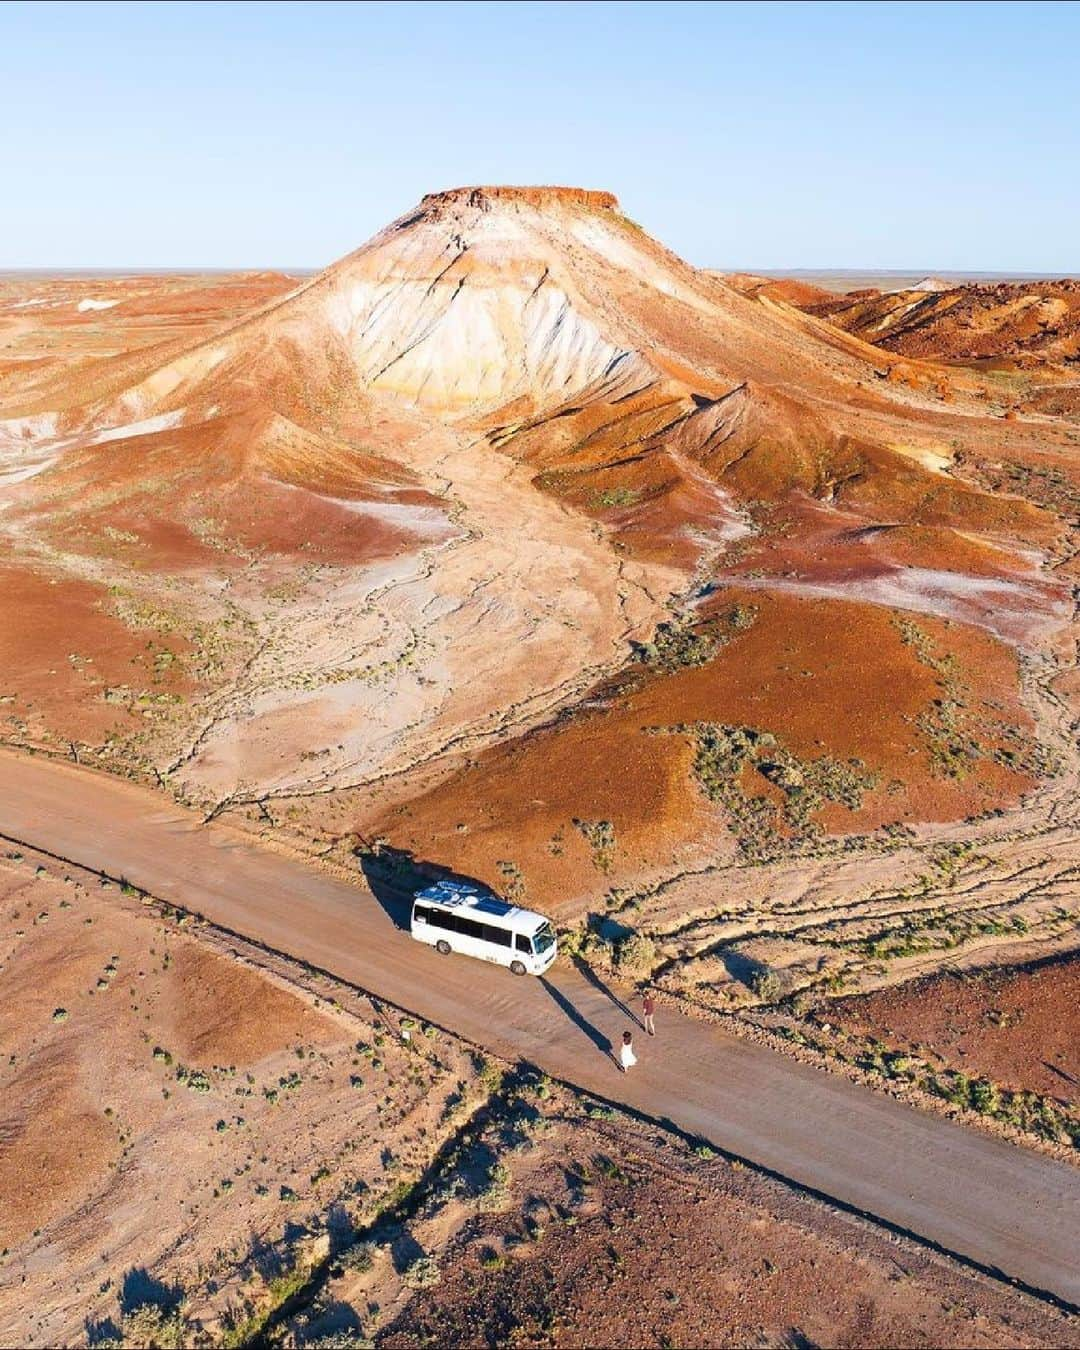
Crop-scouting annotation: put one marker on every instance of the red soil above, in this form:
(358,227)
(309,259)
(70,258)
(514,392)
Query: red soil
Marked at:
(652,1250)
(789,290)
(814,673)
(1018,1028)
(640,392)
(53,1137)
(212,302)
(218,1012)
(231,488)
(1028,321)
(149,311)
(61,649)
(124,985)
(668,475)
(517,804)
(804,543)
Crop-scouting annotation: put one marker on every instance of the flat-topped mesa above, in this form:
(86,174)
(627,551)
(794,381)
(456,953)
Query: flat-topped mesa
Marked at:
(484,198)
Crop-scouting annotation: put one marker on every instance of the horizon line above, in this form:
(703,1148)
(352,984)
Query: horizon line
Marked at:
(174,269)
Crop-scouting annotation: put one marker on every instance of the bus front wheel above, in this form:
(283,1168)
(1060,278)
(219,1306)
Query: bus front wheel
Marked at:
(517,967)
(443,946)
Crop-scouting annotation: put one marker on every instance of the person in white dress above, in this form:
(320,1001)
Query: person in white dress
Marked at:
(627,1058)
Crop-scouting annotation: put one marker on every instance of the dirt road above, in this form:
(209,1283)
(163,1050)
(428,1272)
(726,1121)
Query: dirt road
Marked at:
(995,1204)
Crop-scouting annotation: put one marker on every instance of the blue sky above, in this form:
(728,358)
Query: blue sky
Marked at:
(770,135)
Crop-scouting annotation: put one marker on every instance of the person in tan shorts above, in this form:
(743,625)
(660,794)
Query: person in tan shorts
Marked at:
(648,1011)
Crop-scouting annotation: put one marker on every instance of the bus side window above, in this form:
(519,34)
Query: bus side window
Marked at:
(421,915)
(499,936)
(522,943)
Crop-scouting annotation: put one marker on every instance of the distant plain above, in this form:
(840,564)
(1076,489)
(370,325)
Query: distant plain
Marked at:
(839,279)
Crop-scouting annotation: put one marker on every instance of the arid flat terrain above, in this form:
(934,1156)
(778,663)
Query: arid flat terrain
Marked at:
(728,620)
(729,1085)
(245,1149)
(842,281)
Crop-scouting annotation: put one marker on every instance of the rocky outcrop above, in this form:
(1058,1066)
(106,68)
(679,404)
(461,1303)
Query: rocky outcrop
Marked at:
(484,198)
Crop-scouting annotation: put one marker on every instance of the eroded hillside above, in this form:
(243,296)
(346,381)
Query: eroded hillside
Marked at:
(519,543)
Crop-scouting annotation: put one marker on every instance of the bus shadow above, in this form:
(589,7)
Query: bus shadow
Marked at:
(395,876)
(602,1042)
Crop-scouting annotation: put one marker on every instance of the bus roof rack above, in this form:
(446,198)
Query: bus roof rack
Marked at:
(452,893)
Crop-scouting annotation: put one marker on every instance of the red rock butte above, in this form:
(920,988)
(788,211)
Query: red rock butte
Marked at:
(520,545)
(505,432)
(484,197)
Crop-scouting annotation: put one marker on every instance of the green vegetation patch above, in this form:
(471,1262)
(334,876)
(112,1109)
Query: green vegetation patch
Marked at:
(675,645)
(931,931)
(1048,487)
(956,739)
(613,497)
(151,1325)
(762,826)
(1021,1108)
(600,836)
(678,644)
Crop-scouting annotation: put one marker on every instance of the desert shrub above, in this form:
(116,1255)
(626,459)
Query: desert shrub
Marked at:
(572,941)
(513,881)
(635,954)
(1023,1109)
(196,1080)
(675,645)
(766,985)
(423,1272)
(491,1075)
(949,726)
(723,752)
(898,1065)
(399,1194)
(494,1195)
(600,836)
(742,617)
(598,950)
(360,1256)
(149,1327)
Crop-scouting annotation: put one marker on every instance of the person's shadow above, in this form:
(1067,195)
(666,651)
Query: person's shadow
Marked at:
(602,1042)
(585,970)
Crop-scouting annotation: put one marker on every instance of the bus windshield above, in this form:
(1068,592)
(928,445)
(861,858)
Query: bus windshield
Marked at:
(543,939)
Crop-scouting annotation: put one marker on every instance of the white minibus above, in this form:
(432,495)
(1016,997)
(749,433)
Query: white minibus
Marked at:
(453,916)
